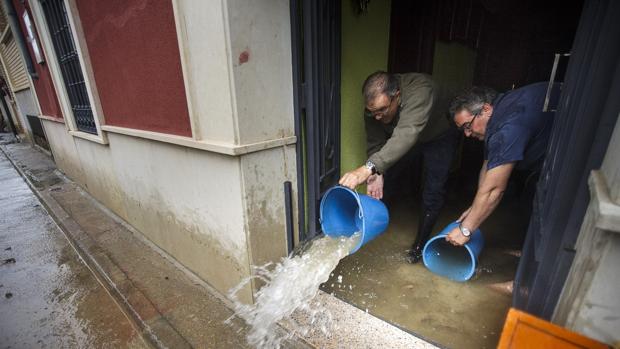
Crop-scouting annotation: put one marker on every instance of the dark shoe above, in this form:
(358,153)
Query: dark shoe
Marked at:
(415,254)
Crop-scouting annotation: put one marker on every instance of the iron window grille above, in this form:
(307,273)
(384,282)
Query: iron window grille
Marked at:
(68,59)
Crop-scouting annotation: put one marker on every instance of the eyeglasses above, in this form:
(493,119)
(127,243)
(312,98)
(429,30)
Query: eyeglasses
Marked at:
(381,111)
(466,126)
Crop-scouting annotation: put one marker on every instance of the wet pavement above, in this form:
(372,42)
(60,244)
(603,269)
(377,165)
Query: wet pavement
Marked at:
(168,305)
(48,296)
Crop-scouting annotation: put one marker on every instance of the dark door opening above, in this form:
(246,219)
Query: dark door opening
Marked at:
(38,134)
(503,45)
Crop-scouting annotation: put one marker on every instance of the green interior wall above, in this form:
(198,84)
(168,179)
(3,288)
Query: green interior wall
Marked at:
(365,42)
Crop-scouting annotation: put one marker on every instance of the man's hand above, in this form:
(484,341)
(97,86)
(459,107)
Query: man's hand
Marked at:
(375,186)
(354,178)
(456,237)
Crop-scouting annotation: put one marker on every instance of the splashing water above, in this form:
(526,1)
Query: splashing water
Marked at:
(291,285)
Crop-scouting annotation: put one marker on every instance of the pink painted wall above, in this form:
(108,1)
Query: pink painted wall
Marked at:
(135,59)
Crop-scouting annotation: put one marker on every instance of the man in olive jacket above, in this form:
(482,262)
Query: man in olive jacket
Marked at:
(406,115)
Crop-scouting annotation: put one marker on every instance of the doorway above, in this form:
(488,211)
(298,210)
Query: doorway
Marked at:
(504,45)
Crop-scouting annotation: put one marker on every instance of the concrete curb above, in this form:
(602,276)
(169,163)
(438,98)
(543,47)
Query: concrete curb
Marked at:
(124,293)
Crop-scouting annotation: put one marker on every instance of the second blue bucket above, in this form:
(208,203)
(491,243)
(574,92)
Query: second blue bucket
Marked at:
(345,212)
(454,262)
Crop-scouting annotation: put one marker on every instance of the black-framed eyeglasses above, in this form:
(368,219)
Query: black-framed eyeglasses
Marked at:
(382,111)
(466,126)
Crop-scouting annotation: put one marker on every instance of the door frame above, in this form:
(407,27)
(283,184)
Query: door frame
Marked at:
(316,35)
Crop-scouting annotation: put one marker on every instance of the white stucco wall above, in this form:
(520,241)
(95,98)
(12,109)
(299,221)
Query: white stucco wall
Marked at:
(237,61)
(26,105)
(263,176)
(261,61)
(187,201)
(216,213)
(260,44)
(204,47)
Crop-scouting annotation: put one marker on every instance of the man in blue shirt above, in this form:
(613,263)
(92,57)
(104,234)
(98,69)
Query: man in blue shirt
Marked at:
(515,131)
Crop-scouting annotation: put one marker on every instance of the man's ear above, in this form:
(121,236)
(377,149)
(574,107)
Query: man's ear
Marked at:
(487,109)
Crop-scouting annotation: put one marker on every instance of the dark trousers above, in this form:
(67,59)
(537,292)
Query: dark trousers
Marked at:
(435,156)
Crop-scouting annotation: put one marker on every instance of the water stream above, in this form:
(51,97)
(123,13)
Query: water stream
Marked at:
(290,286)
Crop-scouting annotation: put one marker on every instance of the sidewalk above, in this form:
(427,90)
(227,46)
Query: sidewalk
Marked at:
(49,297)
(171,307)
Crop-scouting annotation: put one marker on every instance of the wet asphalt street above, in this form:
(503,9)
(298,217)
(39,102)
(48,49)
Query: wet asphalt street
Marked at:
(48,296)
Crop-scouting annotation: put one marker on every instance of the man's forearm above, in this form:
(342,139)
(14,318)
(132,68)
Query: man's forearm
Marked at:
(489,194)
(483,171)
(482,207)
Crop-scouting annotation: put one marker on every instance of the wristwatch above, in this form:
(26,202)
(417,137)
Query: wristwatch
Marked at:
(466,232)
(371,166)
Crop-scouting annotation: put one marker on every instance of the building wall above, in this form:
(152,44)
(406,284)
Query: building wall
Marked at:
(134,51)
(15,75)
(205,53)
(186,201)
(213,200)
(43,86)
(26,103)
(260,41)
(263,175)
(260,44)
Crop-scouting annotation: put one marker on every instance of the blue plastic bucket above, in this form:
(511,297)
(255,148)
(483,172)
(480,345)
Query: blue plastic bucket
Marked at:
(344,212)
(454,262)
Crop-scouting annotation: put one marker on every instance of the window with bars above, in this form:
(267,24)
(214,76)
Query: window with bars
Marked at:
(68,59)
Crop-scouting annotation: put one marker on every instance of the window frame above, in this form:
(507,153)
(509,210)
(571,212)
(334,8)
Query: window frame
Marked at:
(45,37)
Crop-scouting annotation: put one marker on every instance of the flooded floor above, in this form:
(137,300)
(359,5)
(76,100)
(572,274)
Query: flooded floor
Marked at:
(48,297)
(378,279)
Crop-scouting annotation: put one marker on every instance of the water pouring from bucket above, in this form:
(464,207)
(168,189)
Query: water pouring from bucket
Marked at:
(454,262)
(349,220)
(344,212)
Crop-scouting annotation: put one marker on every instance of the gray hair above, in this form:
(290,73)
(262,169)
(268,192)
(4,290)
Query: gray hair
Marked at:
(379,83)
(472,100)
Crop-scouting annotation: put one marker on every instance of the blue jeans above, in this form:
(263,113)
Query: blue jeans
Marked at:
(436,158)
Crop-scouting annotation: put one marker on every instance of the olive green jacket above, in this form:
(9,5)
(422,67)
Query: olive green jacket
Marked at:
(421,117)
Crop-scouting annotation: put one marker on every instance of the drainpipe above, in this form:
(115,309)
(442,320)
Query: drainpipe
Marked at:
(288,210)
(19,37)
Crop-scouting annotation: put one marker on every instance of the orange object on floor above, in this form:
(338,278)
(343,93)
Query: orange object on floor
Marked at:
(523,331)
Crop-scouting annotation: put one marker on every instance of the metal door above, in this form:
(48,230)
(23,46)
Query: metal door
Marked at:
(316,70)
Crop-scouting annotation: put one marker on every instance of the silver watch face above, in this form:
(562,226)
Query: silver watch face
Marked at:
(370,166)
(466,232)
